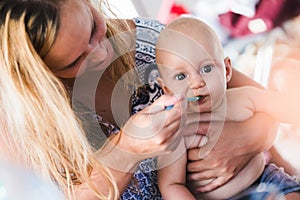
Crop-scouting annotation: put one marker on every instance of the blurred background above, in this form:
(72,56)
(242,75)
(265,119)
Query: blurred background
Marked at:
(254,34)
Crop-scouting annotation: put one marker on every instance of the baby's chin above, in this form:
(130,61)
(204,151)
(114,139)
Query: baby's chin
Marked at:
(195,107)
(205,107)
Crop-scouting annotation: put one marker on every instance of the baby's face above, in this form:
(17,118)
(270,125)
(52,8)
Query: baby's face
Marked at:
(196,70)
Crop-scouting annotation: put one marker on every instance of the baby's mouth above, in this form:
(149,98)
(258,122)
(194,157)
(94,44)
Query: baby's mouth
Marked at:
(195,99)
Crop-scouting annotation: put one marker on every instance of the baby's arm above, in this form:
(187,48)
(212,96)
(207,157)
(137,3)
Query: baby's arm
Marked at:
(239,104)
(246,100)
(172,175)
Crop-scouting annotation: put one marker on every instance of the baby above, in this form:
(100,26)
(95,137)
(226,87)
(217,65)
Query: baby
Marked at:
(191,62)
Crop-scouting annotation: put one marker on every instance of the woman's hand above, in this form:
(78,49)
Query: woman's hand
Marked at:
(151,132)
(232,149)
(154,130)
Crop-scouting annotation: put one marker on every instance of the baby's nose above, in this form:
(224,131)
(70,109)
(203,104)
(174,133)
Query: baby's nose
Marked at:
(196,82)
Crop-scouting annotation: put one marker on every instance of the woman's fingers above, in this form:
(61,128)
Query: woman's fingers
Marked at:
(170,120)
(154,130)
(212,184)
(195,141)
(207,175)
(193,155)
(173,142)
(161,120)
(207,180)
(161,103)
(201,166)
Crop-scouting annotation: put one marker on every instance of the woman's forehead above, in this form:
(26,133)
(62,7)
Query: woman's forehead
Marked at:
(70,6)
(72,35)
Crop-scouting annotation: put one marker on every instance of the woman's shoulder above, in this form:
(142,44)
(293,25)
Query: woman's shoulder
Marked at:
(139,22)
(147,32)
(152,24)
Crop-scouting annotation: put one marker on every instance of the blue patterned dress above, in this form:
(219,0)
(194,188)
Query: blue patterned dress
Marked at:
(143,185)
(144,182)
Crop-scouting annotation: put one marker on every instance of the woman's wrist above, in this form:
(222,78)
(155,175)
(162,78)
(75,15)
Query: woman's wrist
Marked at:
(114,156)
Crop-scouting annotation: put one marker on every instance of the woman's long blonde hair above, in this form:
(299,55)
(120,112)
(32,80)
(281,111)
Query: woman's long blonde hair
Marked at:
(38,126)
(123,40)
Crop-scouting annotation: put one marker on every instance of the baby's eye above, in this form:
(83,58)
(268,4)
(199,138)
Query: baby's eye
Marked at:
(206,69)
(180,76)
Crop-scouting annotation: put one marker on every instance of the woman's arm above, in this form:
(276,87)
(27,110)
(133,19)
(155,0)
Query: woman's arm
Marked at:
(239,79)
(282,101)
(236,146)
(151,132)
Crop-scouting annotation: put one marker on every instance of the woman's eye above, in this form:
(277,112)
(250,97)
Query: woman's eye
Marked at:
(94,28)
(206,69)
(180,77)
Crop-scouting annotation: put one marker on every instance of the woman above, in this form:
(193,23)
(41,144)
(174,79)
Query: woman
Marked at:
(74,41)
(38,127)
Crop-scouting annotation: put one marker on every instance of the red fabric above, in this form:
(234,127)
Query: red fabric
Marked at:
(178,10)
(272,12)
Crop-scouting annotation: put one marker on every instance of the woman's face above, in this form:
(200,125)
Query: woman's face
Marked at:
(81,44)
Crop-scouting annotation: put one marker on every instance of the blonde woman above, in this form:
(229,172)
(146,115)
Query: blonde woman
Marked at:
(42,41)
(38,127)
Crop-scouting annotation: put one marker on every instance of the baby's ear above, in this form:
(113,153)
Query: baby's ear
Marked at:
(161,82)
(228,69)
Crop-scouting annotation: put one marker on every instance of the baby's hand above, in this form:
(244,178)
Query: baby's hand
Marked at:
(239,105)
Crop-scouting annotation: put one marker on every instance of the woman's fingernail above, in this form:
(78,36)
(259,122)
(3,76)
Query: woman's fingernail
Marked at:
(203,141)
